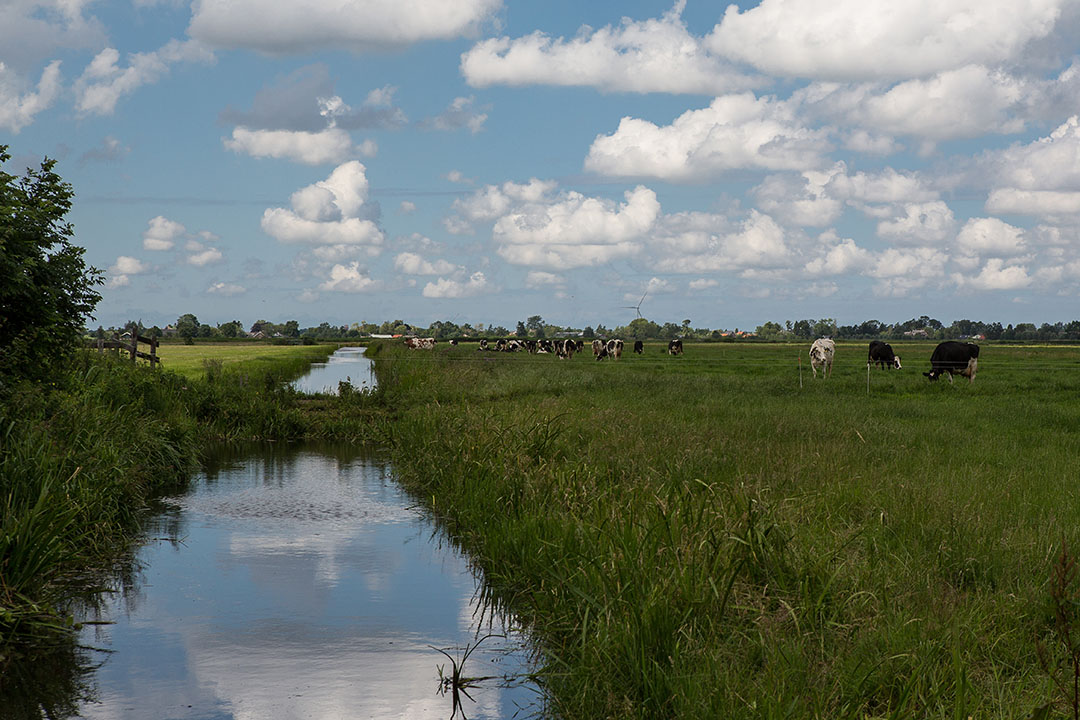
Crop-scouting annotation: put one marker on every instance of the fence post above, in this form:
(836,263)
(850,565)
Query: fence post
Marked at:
(153,353)
(134,342)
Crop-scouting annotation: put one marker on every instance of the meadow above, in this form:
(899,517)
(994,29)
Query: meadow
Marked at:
(192,360)
(705,536)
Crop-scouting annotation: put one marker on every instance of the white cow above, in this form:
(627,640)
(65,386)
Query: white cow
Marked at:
(821,356)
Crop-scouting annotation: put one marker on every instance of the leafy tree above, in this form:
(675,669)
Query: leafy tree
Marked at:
(231,329)
(187,326)
(588,332)
(292,329)
(521,330)
(46,288)
(769,330)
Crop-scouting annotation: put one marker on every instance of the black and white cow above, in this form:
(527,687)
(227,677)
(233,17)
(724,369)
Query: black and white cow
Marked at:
(881,354)
(954,358)
(614,348)
(639,347)
(564,349)
(597,348)
(821,356)
(483,344)
(674,347)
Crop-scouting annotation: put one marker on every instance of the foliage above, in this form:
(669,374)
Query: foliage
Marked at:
(46,288)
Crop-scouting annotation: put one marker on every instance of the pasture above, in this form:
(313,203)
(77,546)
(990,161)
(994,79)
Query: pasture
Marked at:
(192,360)
(701,536)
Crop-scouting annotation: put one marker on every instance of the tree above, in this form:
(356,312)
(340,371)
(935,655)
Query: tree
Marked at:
(231,329)
(46,288)
(187,327)
(292,329)
(521,331)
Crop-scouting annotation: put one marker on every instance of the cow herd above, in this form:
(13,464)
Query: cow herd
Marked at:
(949,358)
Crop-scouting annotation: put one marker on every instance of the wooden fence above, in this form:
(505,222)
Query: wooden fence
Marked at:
(130,346)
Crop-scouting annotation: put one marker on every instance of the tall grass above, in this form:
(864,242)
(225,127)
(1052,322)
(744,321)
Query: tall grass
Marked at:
(700,537)
(80,456)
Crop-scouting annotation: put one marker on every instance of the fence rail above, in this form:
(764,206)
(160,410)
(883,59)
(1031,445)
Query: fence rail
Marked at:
(130,346)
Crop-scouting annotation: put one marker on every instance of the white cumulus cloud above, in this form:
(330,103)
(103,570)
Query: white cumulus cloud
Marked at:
(330,212)
(350,278)
(880,39)
(656,55)
(161,233)
(104,82)
(411,263)
(574,230)
(733,132)
(18,108)
(449,288)
(310,148)
(320,25)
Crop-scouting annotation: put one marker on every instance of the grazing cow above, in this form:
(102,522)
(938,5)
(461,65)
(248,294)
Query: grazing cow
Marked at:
(614,348)
(415,343)
(579,345)
(821,356)
(453,342)
(882,355)
(954,357)
(483,344)
(564,349)
(674,347)
(639,347)
(597,348)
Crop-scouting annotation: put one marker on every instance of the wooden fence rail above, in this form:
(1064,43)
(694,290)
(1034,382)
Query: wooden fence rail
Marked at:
(130,346)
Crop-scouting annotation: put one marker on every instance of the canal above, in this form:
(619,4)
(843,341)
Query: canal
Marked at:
(299,581)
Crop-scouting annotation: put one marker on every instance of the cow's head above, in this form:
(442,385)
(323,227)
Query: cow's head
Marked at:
(933,375)
(896,362)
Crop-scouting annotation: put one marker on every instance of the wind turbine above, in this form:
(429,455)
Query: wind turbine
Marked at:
(637,308)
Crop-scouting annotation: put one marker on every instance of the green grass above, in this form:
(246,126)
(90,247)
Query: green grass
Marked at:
(701,536)
(190,360)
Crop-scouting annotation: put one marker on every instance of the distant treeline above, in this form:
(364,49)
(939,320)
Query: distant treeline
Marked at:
(188,327)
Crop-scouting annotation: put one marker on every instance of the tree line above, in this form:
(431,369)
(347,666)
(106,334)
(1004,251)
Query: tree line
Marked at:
(189,328)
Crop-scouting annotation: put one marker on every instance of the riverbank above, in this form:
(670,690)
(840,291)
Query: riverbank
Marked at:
(716,535)
(81,454)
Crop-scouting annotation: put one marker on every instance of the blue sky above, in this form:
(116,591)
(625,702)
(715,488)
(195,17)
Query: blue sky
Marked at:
(484,161)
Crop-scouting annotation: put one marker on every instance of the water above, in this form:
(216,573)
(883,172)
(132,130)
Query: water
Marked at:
(347,364)
(299,583)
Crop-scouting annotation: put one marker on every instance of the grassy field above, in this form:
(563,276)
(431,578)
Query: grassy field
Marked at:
(191,360)
(707,536)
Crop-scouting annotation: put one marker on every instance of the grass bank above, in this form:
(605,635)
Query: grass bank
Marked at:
(704,536)
(80,456)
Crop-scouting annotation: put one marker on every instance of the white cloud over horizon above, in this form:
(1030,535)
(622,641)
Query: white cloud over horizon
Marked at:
(356,25)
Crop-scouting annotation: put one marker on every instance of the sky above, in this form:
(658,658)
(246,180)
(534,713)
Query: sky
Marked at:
(484,161)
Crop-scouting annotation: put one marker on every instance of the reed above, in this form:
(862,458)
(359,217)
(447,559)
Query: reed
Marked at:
(699,537)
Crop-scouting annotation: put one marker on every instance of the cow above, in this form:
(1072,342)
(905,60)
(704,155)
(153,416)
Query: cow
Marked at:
(415,343)
(614,348)
(821,356)
(597,348)
(483,344)
(674,347)
(453,342)
(580,345)
(639,347)
(882,355)
(954,357)
(564,349)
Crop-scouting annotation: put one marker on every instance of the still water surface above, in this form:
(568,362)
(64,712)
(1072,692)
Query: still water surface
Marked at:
(347,364)
(299,583)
